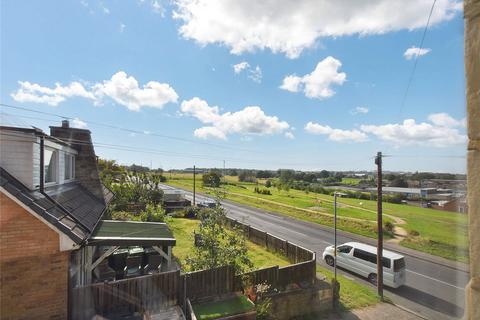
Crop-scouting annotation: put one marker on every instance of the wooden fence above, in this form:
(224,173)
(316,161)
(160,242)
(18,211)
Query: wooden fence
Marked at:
(154,292)
(147,293)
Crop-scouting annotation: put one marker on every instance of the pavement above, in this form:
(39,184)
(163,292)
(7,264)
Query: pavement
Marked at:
(378,311)
(434,286)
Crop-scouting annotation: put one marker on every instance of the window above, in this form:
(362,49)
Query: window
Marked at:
(69,166)
(371,257)
(344,249)
(50,165)
(398,264)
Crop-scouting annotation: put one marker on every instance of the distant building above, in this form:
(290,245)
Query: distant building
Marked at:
(410,193)
(455,205)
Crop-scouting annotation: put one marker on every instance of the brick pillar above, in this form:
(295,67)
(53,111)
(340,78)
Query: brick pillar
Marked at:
(86,170)
(472,70)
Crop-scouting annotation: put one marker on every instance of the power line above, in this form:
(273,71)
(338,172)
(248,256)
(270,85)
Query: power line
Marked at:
(131,130)
(416,59)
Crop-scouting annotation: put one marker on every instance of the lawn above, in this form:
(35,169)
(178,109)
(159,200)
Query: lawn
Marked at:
(183,231)
(432,231)
(217,309)
(352,294)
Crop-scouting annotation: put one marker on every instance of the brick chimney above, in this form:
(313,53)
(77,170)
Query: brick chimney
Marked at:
(86,170)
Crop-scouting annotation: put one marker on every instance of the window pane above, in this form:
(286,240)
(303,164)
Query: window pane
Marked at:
(49,165)
(68,167)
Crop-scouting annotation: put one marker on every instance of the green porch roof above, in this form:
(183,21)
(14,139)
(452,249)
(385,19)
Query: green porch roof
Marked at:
(131,233)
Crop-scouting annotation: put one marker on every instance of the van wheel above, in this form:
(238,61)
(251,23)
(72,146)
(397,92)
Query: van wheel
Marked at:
(372,278)
(329,260)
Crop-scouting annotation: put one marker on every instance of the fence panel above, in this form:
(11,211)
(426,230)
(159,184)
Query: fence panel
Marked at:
(297,273)
(147,293)
(265,275)
(209,282)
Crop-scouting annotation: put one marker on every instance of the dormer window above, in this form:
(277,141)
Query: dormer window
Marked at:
(50,165)
(69,166)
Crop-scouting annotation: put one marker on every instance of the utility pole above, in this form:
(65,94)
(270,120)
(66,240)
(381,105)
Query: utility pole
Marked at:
(194,185)
(378,162)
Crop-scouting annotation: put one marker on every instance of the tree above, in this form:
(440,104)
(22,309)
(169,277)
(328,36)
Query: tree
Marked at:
(268,183)
(247,176)
(324,174)
(218,246)
(286,175)
(211,179)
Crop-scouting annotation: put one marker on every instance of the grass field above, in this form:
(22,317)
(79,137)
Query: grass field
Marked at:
(432,231)
(352,294)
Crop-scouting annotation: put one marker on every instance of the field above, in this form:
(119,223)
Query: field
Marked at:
(432,231)
(352,294)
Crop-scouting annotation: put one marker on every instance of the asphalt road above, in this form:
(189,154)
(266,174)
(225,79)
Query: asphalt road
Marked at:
(433,289)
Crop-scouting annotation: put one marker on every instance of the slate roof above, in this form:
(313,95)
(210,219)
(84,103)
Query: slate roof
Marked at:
(69,207)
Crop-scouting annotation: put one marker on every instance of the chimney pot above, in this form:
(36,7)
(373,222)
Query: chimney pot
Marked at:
(65,124)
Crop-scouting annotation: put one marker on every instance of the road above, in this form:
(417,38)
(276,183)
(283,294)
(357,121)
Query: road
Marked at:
(434,290)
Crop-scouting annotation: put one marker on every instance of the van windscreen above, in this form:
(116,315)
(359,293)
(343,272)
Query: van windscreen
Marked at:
(398,264)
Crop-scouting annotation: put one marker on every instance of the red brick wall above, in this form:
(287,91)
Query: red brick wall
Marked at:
(34,273)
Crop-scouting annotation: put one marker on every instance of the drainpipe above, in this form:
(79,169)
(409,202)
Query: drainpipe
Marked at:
(42,164)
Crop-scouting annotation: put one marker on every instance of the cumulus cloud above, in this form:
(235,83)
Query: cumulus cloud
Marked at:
(32,92)
(255,74)
(443,119)
(317,84)
(79,124)
(289,135)
(338,135)
(414,52)
(122,88)
(251,120)
(357,110)
(292,26)
(438,133)
(157,7)
(125,91)
(239,67)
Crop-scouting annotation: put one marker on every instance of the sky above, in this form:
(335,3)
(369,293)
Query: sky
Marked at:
(304,84)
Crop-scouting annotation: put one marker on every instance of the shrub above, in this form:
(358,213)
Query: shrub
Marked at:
(153,213)
(388,226)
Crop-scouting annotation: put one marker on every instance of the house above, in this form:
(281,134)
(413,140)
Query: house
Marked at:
(456,205)
(52,237)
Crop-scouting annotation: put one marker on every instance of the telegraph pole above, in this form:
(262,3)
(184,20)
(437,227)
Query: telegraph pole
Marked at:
(378,162)
(194,185)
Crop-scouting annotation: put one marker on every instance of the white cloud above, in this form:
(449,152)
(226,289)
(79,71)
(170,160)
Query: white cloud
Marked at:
(443,119)
(250,120)
(289,135)
(32,92)
(436,134)
(122,27)
(338,135)
(104,8)
(79,124)
(122,88)
(157,7)
(358,110)
(239,67)
(413,52)
(292,26)
(255,74)
(318,83)
(125,91)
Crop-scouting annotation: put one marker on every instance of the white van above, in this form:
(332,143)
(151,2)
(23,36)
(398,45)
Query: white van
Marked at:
(362,259)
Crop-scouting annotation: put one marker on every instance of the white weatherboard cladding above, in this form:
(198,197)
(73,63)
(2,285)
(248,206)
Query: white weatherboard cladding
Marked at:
(20,156)
(17,156)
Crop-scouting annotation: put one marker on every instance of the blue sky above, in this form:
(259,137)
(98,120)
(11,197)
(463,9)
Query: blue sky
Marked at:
(347,68)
